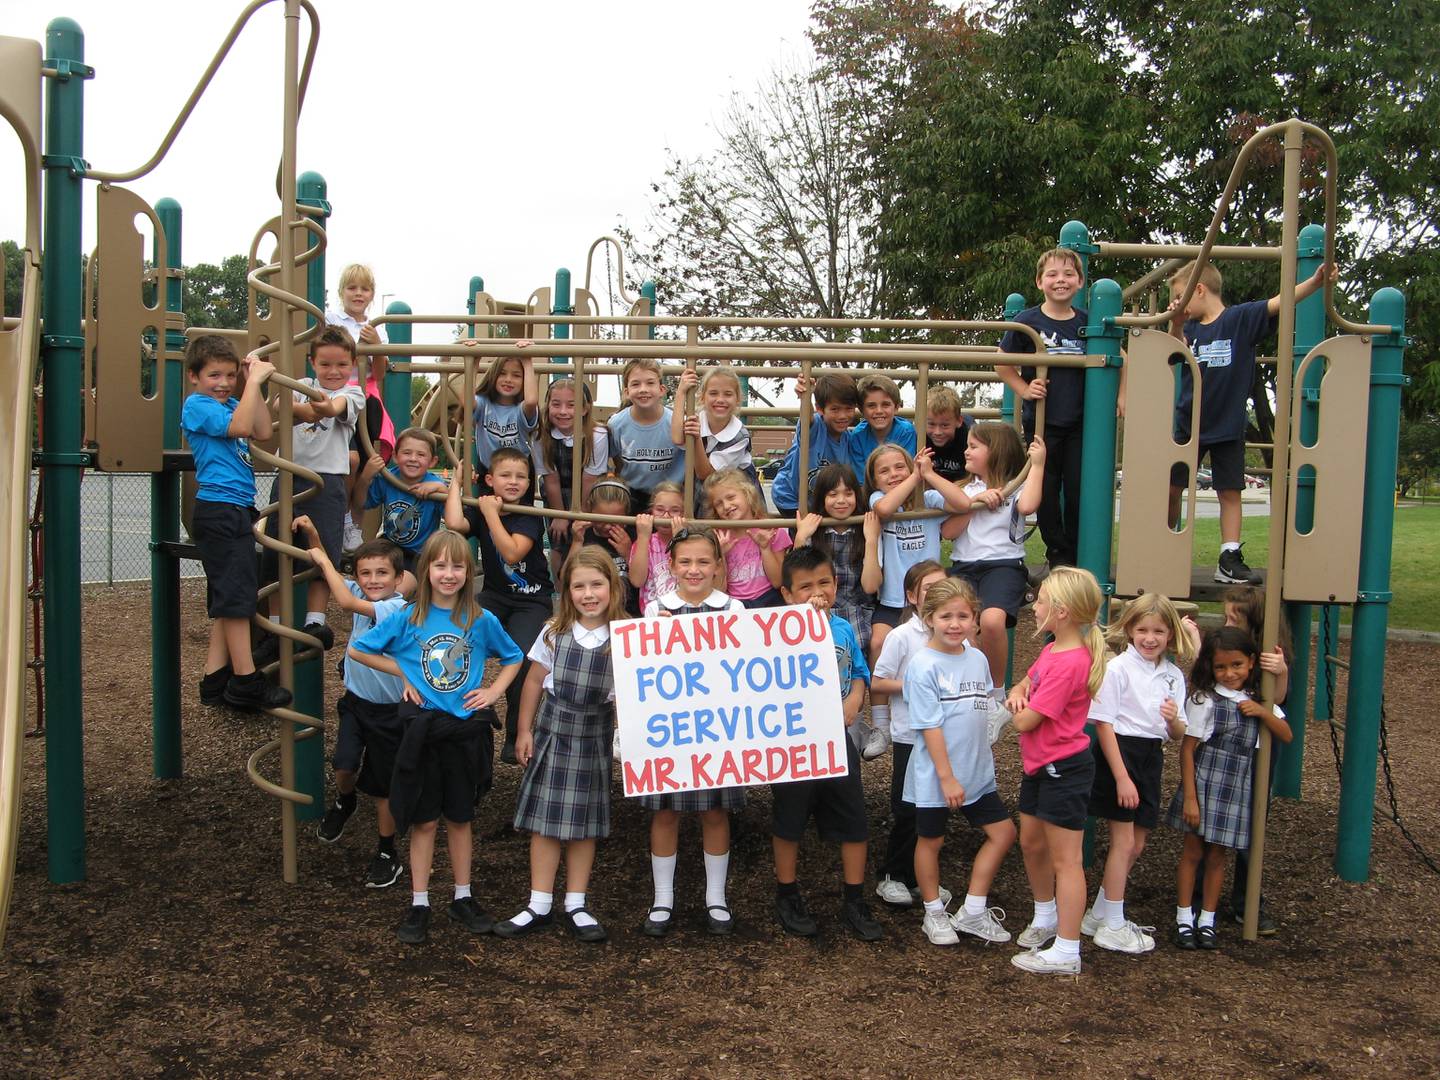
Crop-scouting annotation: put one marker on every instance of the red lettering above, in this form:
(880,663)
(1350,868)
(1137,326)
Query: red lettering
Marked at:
(725,632)
(642,782)
(649,638)
(729,771)
(698,764)
(837,768)
(792,627)
(776,760)
(766,620)
(663,780)
(797,770)
(751,760)
(819,624)
(677,641)
(704,633)
(624,630)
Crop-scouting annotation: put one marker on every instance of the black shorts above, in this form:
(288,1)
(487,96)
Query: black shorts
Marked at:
(1059,793)
(1144,760)
(365,742)
(885,615)
(374,424)
(931,821)
(326,510)
(771,597)
(456,774)
(225,536)
(1227,466)
(837,803)
(999,584)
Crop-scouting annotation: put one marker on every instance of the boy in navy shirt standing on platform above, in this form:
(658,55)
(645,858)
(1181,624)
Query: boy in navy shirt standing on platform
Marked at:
(1059,276)
(1223,340)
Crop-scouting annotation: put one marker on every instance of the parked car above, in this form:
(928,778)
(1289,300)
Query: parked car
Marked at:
(768,470)
(1203,480)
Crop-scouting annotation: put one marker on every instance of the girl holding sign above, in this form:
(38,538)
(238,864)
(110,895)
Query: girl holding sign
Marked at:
(565,793)
(696,565)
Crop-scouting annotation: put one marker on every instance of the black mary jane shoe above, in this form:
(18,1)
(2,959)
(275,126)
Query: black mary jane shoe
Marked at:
(592,934)
(653,928)
(719,927)
(1207,938)
(511,929)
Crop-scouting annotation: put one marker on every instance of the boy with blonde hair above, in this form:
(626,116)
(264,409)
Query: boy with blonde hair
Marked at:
(947,430)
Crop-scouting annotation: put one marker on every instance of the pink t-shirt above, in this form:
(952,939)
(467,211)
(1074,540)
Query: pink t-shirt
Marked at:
(1059,691)
(659,580)
(745,572)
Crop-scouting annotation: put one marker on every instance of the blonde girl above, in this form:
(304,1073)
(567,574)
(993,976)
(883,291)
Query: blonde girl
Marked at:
(439,645)
(552,453)
(566,717)
(988,548)
(753,557)
(896,482)
(1137,710)
(1050,706)
(650,554)
(721,435)
(695,563)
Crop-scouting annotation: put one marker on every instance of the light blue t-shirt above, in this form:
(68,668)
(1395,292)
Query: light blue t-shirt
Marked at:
(406,520)
(501,427)
(826,448)
(903,544)
(849,656)
(863,442)
(442,661)
(645,454)
(365,682)
(951,693)
(223,468)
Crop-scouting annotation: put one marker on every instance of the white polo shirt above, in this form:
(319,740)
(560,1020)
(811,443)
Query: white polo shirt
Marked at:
(1133,691)
(901,644)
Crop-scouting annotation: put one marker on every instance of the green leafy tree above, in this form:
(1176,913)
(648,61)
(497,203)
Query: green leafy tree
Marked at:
(217,296)
(14,276)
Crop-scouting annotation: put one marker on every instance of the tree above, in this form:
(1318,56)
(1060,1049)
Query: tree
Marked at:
(218,296)
(14,276)
(1419,457)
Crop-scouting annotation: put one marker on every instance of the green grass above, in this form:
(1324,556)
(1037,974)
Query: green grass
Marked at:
(1415,566)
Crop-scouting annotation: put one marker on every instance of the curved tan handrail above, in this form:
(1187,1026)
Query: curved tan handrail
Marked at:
(620,267)
(252,768)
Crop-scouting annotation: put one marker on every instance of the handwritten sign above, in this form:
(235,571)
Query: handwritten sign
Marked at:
(727,699)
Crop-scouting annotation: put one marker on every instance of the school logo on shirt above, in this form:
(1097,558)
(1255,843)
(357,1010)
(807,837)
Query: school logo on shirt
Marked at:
(1055,345)
(1214,353)
(909,535)
(506,434)
(446,662)
(654,458)
(402,522)
(842,658)
(242,448)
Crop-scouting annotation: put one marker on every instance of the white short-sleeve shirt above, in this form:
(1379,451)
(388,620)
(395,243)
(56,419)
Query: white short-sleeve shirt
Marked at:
(541,653)
(1132,693)
(901,645)
(990,535)
(598,465)
(1200,715)
(671,602)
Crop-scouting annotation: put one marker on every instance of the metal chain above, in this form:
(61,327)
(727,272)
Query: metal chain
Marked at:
(1327,648)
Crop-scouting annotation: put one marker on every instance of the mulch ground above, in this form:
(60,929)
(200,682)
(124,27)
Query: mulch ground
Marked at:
(184,954)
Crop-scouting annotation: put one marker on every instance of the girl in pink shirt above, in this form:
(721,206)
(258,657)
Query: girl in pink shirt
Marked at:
(650,554)
(752,556)
(1051,705)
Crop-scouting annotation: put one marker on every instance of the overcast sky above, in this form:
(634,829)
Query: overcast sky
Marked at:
(456,138)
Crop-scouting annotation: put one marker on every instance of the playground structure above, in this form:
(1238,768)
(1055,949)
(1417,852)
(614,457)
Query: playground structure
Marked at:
(100,411)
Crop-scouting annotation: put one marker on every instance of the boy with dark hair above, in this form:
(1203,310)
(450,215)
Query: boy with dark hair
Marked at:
(879,404)
(410,516)
(837,803)
(1223,340)
(1059,275)
(836,399)
(218,426)
(947,430)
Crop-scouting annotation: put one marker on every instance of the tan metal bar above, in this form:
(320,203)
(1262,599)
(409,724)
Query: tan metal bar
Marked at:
(1157,276)
(802,433)
(693,446)
(965,374)
(580,456)
(1258,253)
(619,267)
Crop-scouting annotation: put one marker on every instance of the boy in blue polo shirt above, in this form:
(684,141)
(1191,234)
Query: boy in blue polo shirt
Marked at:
(836,399)
(218,428)
(879,402)
(1223,339)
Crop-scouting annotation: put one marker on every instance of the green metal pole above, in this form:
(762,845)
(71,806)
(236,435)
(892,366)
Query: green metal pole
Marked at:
(62,357)
(396,391)
(1309,332)
(477,285)
(310,191)
(1075,236)
(166,750)
(562,303)
(1327,629)
(647,290)
(1367,628)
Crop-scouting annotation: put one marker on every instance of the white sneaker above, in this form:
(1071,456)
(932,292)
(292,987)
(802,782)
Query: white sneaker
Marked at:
(1128,939)
(1033,961)
(945,897)
(894,893)
(353,538)
(615,747)
(939,929)
(986,925)
(1089,924)
(997,720)
(875,744)
(1033,937)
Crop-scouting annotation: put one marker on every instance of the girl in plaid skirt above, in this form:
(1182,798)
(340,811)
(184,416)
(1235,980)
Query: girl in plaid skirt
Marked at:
(565,793)
(1212,806)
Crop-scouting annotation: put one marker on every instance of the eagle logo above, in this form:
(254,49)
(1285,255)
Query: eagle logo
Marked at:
(446,662)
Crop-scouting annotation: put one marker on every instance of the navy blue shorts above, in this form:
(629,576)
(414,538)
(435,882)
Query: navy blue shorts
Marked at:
(1059,793)
(225,536)
(932,821)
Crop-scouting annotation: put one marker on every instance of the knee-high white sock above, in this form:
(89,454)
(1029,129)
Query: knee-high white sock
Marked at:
(662,871)
(717,869)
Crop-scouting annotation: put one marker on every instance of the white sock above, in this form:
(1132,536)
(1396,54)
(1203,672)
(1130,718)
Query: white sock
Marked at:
(880,718)
(1207,918)
(420,899)
(540,904)
(662,870)
(1046,914)
(1229,545)
(314,618)
(1098,908)
(1062,949)
(717,868)
(976,905)
(1115,916)
(934,907)
(575,901)
(348,519)
(1185,916)
(462,892)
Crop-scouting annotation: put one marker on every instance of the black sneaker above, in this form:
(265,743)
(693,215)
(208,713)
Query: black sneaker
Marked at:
(794,915)
(332,825)
(414,929)
(471,915)
(255,693)
(212,686)
(384,870)
(267,652)
(856,915)
(1231,569)
(1267,926)
(323,632)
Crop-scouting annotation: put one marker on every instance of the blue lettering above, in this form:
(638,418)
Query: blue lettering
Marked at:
(659,730)
(682,729)
(732,668)
(795,716)
(809,663)
(770,731)
(705,726)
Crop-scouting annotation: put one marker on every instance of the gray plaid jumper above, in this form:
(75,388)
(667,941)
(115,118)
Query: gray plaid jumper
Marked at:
(852,603)
(1222,779)
(693,802)
(565,793)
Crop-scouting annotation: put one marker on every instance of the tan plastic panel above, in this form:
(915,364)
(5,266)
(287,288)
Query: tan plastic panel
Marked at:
(1152,557)
(20,106)
(640,309)
(585,304)
(129,428)
(1323,566)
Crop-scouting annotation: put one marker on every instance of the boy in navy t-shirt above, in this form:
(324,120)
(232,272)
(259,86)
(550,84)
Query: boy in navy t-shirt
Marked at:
(1059,276)
(1223,339)
(218,428)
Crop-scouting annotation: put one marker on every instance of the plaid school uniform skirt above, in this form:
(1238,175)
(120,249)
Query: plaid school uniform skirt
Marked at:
(1222,780)
(565,793)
